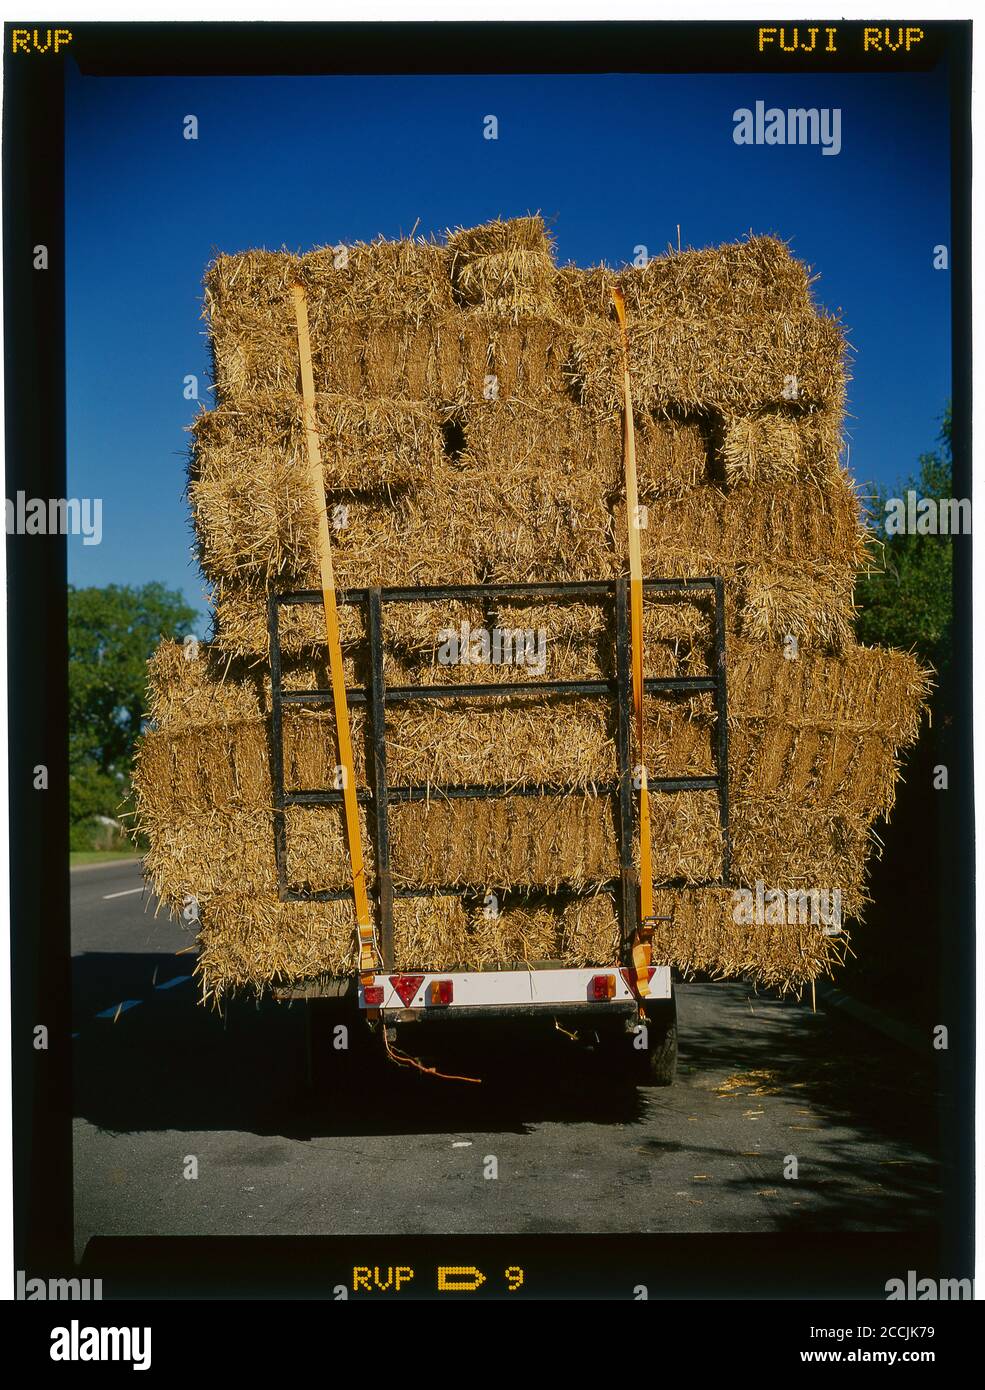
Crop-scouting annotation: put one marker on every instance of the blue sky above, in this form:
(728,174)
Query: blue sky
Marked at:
(613,161)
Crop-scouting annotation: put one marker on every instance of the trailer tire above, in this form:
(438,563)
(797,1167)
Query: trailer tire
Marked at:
(660,1057)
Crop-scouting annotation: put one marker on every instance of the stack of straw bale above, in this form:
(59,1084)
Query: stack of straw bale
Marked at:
(470,418)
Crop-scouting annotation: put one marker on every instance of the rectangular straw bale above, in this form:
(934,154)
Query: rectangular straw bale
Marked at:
(450,356)
(755,277)
(525,741)
(574,640)
(441,933)
(365,443)
(202,768)
(250,311)
(868,689)
(736,364)
(194,683)
(785,445)
(268,532)
(680,735)
(800,844)
(768,525)
(374,278)
(204,853)
(248,942)
(672,454)
(239,620)
(397,538)
(758,278)
(507,266)
(584,295)
(485,355)
(705,938)
(685,836)
(517,935)
(521,841)
(590,931)
(778,604)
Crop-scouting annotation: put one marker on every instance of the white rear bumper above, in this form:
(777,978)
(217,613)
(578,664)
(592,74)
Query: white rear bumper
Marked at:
(536,989)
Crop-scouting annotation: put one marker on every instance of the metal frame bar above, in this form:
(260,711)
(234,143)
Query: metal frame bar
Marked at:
(381,798)
(381,795)
(277,749)
(721,730)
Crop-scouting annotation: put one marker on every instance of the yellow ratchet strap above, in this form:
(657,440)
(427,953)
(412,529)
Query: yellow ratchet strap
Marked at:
(368,952)
(644,932)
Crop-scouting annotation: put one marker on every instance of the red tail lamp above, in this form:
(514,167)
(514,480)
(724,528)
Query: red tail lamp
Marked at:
(602,987)
(441,992)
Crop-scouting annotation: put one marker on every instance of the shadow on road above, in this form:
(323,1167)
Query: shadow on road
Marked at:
(860,1114)
(170,1064)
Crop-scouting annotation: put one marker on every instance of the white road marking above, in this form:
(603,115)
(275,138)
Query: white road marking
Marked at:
(115,1010)
(125,894)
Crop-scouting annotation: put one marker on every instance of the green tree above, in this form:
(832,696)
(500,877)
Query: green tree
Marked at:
(111,634)
(907,600)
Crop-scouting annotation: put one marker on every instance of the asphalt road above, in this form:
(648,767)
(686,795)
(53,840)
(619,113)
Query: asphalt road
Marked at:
(370,1148)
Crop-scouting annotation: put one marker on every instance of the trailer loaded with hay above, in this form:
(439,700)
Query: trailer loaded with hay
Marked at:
(533,678)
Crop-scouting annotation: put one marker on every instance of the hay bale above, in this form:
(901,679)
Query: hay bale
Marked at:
(441,933)
(377,538)
(800,524)
(705,938)
(430,932)
(778,604)
(590,931)
(672,455)
(207,853)
(780,446)
(756,277)
(194,683)
(365,444)
(866,690)
(517,841)
(470,420)
(250,943)
(452,356)
(250,313)
(795,843)
(507,267)
(735,364)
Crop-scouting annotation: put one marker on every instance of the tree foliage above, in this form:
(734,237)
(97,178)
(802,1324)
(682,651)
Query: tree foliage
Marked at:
(112,632)
(907,601)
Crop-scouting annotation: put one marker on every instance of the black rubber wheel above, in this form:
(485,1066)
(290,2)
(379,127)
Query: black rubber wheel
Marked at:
(652,1065)
(659,1061)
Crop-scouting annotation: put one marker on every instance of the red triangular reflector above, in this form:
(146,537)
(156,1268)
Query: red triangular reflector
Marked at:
(406,986)
(629,976)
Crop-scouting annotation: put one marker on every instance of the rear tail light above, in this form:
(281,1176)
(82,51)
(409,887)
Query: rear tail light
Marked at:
(406,987)
(373,996)
(602,987)
(441,992)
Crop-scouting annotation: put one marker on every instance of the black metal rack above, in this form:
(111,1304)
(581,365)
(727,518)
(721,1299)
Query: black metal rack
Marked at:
(380,795)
